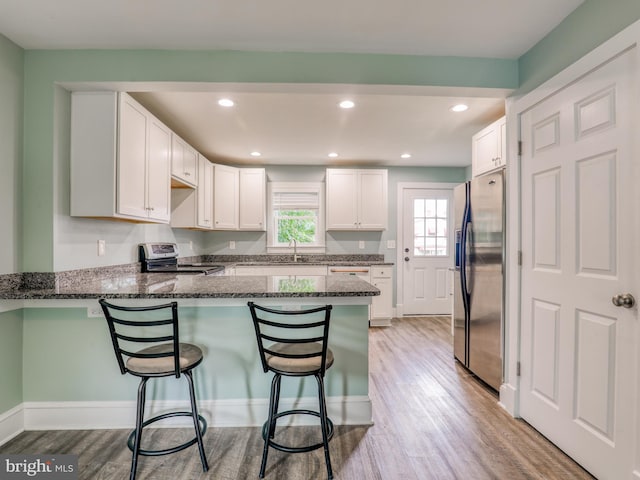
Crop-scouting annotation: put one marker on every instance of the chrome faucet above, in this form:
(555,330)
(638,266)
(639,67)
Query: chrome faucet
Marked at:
(295,249)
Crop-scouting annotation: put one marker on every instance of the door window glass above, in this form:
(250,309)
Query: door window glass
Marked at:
(430,224)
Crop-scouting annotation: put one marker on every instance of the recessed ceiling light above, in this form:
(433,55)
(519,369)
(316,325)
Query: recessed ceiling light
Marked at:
(461,107)
(346,104)
(255,154)
(226,102)
(405,155)
(332,155)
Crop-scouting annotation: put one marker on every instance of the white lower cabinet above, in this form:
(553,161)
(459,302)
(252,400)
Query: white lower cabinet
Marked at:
(120,159)
(381,310)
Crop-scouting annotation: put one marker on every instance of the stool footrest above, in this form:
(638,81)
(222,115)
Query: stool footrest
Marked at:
(287,449)
(167,451)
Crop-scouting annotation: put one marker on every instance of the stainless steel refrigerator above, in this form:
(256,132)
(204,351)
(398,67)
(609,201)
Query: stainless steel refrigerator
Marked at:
(478,306)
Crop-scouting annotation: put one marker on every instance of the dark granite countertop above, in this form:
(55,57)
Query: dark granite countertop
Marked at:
(274,260)
(126,281)
(166,285)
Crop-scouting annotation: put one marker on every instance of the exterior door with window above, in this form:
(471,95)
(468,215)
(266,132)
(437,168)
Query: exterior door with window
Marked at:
(427,251)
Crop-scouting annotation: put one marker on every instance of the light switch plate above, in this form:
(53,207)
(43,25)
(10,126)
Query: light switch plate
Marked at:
(391,244)
(101,248)
(232,244)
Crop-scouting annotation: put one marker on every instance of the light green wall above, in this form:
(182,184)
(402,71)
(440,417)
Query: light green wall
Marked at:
(46,230)
(68,357)
(10,360)
(588,26)
(11,108)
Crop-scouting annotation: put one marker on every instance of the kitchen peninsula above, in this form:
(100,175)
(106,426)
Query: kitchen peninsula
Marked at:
(71,381)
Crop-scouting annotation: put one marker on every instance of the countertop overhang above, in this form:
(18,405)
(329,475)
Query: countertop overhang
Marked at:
(165,285)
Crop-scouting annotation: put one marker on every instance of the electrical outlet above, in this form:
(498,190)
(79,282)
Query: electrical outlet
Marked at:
(191,245)
(361,244)
(391,244)
(93,312)
(232,244)
(101,248)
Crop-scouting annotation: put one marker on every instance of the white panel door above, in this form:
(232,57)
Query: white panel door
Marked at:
(579,227)
(427,251)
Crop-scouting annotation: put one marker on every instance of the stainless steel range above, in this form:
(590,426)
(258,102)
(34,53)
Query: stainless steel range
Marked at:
(163,258)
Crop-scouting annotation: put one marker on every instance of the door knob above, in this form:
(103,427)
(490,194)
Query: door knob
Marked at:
(624,300)
(406,259)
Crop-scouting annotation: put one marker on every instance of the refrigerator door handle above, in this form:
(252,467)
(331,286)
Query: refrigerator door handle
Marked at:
(466,257)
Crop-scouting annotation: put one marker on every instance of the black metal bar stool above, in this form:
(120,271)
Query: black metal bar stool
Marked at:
(295,348)
(165,356)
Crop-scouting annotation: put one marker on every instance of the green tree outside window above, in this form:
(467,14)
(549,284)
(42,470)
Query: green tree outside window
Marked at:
(299,225)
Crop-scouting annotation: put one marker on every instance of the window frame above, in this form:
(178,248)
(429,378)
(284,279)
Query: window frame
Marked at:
(293,187)
(434,218)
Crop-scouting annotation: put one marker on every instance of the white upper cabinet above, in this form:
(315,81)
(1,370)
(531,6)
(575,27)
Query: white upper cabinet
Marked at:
(489,148)
(205,193)
(120,159)
(356,199)
(239,198)
(184,163)
(194,208)
(253,198)
(226,185)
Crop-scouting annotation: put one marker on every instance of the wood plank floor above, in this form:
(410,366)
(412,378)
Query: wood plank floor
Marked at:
(432,421)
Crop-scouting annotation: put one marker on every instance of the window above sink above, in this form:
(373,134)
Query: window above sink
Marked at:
(296,217)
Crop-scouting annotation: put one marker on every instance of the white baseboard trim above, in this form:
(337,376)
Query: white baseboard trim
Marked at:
(11,423)
(352,410)
(380,322)
(508,398)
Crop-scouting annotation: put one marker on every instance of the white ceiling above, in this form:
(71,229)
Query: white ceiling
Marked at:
(301,125)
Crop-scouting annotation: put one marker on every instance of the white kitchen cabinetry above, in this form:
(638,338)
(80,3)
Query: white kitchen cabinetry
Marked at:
(120,159)
(184,163)
(253,198)
(239,198)
(489,148)
(205,193)
(226,188)
(356,199)
(382,305)
(194,208)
